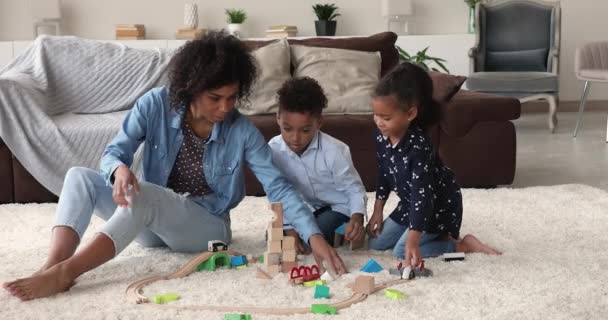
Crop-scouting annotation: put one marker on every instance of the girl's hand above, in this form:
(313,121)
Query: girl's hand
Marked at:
(374,226)
(412,248)
(300,247)
(123,179)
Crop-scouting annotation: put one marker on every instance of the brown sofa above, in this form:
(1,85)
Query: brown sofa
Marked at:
(475,135)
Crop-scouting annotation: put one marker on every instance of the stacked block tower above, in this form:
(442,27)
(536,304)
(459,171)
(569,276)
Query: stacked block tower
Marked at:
(280,255)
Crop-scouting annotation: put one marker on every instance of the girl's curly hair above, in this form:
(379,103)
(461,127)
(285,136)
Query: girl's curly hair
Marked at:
(410,84)
(214,60)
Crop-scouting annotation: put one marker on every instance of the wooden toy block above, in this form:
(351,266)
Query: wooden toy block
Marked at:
(286,266)
(296,281)
(321,292)
(289,243)
(364,284)
(272,270)
(271,259)
(289,255)
(274,246)
(357,244)
(164,298)
(277,210)
(261,274)
(275,234)
(322,309)
(338,240)
(394,294)
(314,283)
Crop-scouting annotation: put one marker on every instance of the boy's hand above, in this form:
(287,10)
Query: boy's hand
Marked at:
(374,226)
(323,252)
(412,248)
(354,228)
(300,247)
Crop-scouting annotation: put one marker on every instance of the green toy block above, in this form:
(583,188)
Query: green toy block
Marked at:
(218,259)
(241,267)
(164,298)
(314,283)
(261,259)
(321,292)
(322,309)
(237,317)
(394,294)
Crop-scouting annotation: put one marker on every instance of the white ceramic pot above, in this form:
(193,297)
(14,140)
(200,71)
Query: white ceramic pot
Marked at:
(190,16)
(235,29)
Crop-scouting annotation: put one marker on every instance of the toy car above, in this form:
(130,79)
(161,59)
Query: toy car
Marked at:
(216,245)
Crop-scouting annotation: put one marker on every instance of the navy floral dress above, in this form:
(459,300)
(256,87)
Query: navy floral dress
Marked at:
(430,199)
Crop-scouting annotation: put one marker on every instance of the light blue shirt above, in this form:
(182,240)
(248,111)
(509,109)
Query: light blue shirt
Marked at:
(233,142)
(324,174)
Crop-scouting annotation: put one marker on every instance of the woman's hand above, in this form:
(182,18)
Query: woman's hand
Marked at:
(123,179)
(374,226)
(300,247)
(323,252)
(412,248)
(354,228)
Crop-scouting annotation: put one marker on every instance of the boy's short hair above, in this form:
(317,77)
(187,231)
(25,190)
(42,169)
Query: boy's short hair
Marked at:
(303,95)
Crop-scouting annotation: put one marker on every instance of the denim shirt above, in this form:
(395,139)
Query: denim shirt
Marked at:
(233,142)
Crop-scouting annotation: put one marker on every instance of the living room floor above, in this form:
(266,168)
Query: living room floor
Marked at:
(550,159)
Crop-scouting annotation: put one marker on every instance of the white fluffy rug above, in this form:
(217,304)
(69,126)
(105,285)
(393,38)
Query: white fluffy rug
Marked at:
(555,266)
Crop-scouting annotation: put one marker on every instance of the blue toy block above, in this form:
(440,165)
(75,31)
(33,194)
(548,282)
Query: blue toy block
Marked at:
(321,292)
(372,266)
(340,230)
(238,261)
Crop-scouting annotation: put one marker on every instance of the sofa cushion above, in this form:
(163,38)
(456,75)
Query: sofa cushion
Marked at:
(445,86)
(348,77)
(382,42)
(515,82)
(273,63)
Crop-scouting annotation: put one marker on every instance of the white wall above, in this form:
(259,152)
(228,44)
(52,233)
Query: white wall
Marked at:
(583,20)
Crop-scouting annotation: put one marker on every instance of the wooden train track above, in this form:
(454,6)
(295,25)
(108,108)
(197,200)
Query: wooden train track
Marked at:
(134,292)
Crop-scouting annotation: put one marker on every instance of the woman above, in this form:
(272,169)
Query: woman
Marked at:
(196,148)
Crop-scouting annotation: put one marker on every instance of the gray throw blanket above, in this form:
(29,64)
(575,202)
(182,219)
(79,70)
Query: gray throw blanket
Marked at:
(63,100)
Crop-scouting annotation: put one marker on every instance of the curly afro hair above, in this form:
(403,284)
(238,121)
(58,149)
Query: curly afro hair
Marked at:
(410,84)
(303,95)
(214,60)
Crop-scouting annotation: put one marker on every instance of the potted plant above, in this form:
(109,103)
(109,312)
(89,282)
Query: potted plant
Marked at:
(471,4)
(326,13)
(422,59)
(235,18)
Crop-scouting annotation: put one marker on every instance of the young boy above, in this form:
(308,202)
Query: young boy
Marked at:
(319,166)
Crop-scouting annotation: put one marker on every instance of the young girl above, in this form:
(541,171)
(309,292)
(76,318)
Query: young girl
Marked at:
(427,220)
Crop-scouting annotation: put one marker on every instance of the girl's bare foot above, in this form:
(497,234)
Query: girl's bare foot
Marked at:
(46,283)
(470,244)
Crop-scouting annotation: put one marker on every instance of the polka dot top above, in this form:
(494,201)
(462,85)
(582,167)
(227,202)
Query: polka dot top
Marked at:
(430,199)
(187,176)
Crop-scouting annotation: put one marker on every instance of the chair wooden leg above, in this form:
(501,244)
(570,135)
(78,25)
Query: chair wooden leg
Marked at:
(581,107)
(552,112)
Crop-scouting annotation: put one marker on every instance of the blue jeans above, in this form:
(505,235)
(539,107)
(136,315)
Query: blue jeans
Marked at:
(394,236)
(157,216)
(328,221)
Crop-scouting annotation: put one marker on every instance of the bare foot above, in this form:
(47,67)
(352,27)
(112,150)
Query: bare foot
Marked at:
(46,283)
(470,244)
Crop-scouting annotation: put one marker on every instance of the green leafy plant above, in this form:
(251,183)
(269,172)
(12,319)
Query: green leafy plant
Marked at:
(327,12)
(422,59)
(236,15)
(472,3)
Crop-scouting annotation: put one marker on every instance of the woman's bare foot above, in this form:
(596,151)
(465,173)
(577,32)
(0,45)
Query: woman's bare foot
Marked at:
(46,283)
(470,244)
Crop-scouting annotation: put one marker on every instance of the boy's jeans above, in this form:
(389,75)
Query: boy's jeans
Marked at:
(156,217)
(394,236)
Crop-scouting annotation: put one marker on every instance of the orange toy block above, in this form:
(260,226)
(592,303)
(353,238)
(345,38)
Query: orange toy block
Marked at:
(289,243)
(289,256)
(286,266)
(274,246)
(364,284)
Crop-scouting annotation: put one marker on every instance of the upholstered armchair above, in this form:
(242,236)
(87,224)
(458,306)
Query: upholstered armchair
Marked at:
(590,65)
(517,51)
